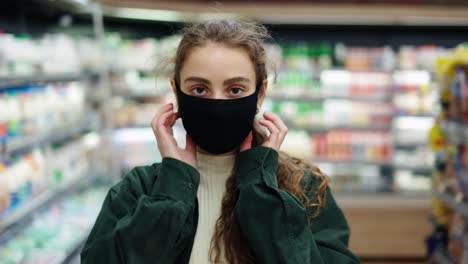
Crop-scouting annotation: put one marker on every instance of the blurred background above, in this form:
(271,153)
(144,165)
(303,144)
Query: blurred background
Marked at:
(374,92)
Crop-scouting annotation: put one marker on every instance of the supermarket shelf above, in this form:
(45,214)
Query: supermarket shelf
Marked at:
(308,98)
(317,129)
(425,169)
(306,13)
(47,197)
(364,162)
(6,82)
(140,95)
(450,201)
(75,250)
(408,89)
(55,134)
(353,128)
(411,145)
(428,115)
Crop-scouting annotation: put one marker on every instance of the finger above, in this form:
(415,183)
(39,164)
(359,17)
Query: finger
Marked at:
(190,145)
(276,120)
(165,118)
(283,129)
(274,131)
(165,123)
(170,120)
(247,143)
(269,125)
(161,121)
(153,122)
(175,117)
(165,108)
(274,140)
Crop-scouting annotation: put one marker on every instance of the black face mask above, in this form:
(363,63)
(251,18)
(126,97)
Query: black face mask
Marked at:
(217,125)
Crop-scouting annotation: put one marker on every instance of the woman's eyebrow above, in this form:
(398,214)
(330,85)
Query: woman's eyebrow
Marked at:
(197,79)
(236,79)
(207,82)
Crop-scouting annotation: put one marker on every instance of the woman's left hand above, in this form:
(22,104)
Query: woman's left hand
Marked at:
(277,128)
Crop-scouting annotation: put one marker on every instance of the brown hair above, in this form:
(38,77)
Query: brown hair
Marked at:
(228,239)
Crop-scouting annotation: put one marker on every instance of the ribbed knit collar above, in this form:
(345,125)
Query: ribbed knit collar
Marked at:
(216,164)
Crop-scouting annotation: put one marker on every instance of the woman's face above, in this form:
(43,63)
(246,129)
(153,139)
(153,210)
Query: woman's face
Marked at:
(216,71)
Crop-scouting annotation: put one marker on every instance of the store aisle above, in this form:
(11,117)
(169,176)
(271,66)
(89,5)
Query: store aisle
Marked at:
(380,106)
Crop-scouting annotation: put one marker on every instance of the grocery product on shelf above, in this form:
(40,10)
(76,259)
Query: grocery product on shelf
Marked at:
(56,232)
(35,108)
(307,58)
(140,67)
(296,84)
(410,147)
(413,93)
(334,113)
(342,145)
(385,58)
(131,54)
(366,58)
(298,144)
(131,114)
(22,179)
(370,84)
(137,146)
(23,56)
(133,83)
(449,141)
(27,176)
(420,57)
(320,108)
(354,177)
(335,83)
(414,100)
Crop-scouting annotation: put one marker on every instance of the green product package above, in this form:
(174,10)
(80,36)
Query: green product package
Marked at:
(276,107)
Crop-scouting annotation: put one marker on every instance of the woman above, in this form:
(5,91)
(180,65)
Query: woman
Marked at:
(229,196)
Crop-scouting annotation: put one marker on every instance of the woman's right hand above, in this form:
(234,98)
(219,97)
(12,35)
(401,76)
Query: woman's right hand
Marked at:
(162,127)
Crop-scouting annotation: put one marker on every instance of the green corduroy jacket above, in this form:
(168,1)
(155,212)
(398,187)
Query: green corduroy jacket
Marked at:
(151,217)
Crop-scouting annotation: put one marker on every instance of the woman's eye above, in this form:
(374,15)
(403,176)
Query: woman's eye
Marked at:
(198,91)
(236,91)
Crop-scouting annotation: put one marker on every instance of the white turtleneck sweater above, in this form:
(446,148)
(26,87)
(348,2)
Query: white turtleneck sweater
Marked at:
(214,171)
